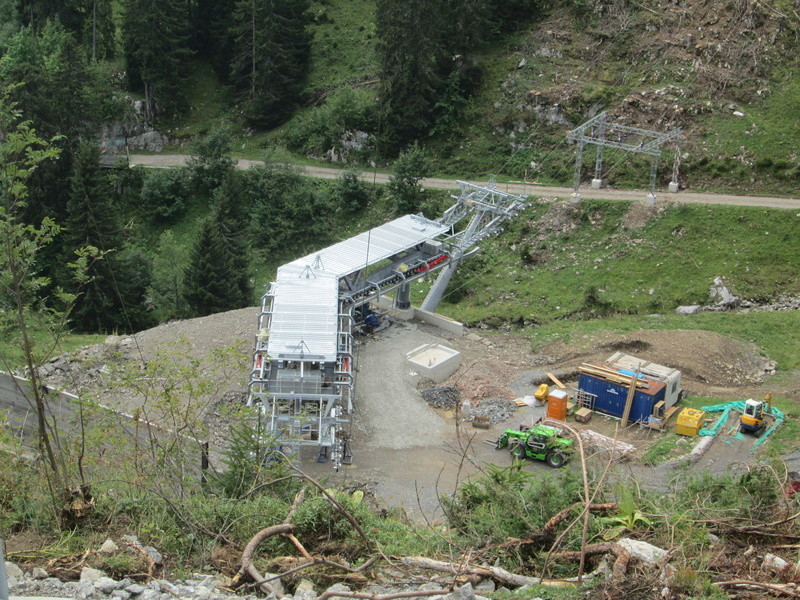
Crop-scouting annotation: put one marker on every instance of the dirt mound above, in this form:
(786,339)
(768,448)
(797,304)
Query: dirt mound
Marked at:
(702,356)
(641,213)
(627,346)
(199,337)
(561,217)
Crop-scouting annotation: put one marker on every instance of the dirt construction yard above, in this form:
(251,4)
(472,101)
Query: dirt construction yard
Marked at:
(408,453)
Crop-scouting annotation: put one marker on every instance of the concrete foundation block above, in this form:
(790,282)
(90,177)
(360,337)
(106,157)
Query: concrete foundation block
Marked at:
(434,361)
(597,184)
(673,187)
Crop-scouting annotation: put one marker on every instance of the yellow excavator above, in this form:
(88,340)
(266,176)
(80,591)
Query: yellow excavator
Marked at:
(753,415)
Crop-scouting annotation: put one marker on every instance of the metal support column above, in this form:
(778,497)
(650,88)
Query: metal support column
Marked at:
(403,300)
(576,183)
(598,157)
(439,286)
(598,163)
(653,173)
(676,165)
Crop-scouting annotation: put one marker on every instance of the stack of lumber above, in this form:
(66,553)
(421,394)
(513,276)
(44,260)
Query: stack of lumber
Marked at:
(597,442)
(611,375)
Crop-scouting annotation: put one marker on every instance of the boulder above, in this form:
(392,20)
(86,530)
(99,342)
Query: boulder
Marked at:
(108,547)
(688,310)
(721,296)
(39,573)
(465,592)
(13,570)
(303,591)
(647,553)
(91,575)
(277,585)
(773,563)
(106,585)
(337,587)
(135,589)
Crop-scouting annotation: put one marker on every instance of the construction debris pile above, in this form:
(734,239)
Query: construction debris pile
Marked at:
(445,397)
(496,410)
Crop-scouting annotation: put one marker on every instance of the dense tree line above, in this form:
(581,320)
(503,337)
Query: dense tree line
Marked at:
(55,64)
(428,66)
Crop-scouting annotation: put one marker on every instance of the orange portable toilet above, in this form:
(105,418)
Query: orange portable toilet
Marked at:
(557,405)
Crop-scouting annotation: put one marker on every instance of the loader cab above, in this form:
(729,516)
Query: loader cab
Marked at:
(753,417)
(754,409)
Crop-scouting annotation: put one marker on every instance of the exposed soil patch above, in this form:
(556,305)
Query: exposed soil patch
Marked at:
(631,346)
(707,360)
(641,213)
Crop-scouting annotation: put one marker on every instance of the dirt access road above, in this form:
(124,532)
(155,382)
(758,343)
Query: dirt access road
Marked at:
(178,160)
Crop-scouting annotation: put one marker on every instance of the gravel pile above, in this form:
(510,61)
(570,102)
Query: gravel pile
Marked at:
(498,410)
(96,585)
(442,397)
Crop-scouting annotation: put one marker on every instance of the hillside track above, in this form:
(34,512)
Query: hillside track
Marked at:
(178,160)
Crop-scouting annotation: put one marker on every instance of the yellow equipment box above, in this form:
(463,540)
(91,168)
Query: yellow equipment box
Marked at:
(541,392)
(690,422)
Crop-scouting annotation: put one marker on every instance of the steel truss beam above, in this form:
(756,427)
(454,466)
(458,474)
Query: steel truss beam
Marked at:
(602,133)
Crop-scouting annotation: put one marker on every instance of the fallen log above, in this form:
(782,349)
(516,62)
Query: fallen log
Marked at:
(247,555)
(496,573)
(620,567)
(788,589)
(556,519)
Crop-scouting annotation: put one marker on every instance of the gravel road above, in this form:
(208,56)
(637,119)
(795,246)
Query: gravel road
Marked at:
(176,160)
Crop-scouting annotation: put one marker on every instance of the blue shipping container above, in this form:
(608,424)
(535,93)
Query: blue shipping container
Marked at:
(610,397)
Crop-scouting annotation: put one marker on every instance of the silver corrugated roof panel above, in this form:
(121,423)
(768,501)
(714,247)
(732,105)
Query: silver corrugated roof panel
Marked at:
(369,247)
(305,318)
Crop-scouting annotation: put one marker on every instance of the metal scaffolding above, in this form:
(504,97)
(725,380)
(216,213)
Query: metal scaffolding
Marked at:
(303,362)
(602,133)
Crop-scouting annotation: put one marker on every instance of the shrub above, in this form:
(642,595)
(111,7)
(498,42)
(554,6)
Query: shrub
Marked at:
(350,193)
(321,128)
(165,193)
(404,188)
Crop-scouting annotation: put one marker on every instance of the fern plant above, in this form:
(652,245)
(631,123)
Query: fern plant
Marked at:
(628,517)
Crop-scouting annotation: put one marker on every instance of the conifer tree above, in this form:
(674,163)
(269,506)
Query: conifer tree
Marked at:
(210,285)
(217,277)
(155,42)
(271,53)
(411,66)
(112,297)
(211,36)
(230,220)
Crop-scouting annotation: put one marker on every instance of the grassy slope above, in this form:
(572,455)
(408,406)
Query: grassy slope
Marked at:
(669,262)
(11,356)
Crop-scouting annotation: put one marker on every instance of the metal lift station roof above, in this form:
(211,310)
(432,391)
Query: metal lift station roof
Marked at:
(305,305)
(366,248)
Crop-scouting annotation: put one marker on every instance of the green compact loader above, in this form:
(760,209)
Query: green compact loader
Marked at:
(541,442)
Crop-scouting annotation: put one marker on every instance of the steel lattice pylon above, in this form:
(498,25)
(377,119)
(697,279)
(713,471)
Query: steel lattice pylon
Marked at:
(602,133)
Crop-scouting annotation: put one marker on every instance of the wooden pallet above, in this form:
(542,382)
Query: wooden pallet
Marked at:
(667,416)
